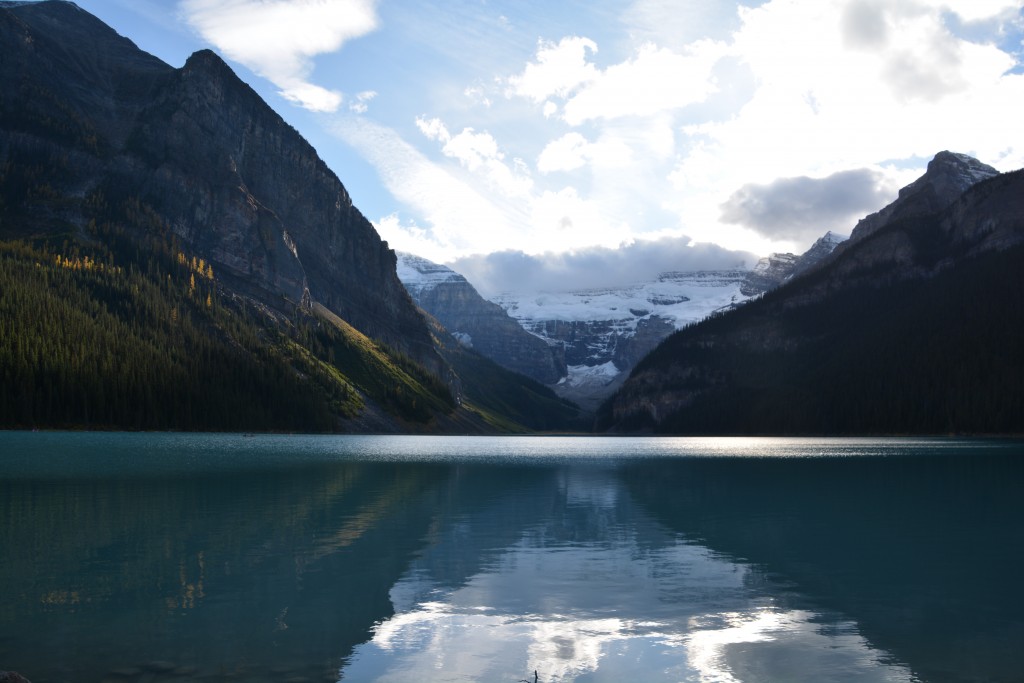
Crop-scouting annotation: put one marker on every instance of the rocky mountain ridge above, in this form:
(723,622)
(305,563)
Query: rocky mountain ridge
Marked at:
(965,198)
(947,176)
(478,323)
(774,269)
(907,329)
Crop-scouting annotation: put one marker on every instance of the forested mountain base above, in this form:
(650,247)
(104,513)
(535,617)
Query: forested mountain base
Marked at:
(938,355)
(137,336)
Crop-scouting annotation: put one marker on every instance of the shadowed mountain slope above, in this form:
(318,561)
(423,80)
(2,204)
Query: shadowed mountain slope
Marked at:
(917,327)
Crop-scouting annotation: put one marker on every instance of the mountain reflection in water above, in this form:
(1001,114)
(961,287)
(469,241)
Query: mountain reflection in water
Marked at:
(155,557)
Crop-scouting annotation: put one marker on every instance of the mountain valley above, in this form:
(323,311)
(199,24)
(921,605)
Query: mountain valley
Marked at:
(591,338)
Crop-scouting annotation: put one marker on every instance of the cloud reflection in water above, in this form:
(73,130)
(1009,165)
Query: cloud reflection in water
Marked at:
(595,590)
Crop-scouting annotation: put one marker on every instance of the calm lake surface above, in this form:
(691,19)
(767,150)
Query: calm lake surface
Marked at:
(170,557)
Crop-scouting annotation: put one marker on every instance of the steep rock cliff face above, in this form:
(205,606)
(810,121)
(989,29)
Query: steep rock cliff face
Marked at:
(478,323)
(192,154)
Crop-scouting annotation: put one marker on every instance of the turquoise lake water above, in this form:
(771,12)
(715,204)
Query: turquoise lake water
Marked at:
(194,557)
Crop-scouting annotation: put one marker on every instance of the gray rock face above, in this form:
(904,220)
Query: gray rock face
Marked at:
(191,154)
(771,271)
(947,177)
(819,251)
(478,323)
(595,342)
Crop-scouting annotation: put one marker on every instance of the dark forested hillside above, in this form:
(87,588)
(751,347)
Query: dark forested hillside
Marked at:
(918,328)
(90,338)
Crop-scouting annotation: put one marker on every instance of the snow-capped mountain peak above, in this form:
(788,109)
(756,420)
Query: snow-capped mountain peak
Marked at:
(418,273)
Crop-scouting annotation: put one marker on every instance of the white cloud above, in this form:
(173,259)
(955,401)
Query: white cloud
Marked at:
(360,105)
(478,95)
(408,236)
(456,217)
(279,38)
(614,150)
(653,81)
(473,149)
(567,153)
(434,129)
(824,103)
(479,154)
(558,71)
(562,220)
(460,217)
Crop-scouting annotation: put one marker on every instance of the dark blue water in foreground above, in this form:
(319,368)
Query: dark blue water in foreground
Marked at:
(150,558)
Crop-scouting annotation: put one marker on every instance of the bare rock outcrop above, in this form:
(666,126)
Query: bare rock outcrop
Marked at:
(478,323)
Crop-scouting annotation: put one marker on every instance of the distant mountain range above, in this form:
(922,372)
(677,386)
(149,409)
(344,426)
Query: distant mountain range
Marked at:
(177,256)
(914,325)
(584,342)
(478,323)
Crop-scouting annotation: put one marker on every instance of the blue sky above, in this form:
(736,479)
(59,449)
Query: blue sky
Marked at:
(702,130)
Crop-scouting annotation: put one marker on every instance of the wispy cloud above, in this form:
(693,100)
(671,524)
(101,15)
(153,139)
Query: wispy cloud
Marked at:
(480,154)
(361,103)
(454,214)
(278,39)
